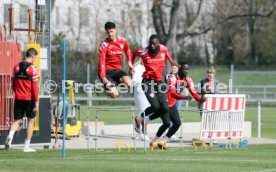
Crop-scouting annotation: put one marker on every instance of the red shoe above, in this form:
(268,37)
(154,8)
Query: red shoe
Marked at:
(137,124)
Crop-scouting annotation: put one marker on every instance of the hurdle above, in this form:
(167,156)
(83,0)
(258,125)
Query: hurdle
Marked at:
(110,109)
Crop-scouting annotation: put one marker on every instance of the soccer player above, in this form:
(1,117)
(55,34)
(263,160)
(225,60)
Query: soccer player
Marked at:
(140,99)
(180,79)
(25,86)
(110,61)
(154,57)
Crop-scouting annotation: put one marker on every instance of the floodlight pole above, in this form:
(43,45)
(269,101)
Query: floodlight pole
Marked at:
(63,96)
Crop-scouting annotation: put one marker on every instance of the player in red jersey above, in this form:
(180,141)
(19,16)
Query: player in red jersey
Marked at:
(174,81)
(110,61)
(25,86)
(154,57)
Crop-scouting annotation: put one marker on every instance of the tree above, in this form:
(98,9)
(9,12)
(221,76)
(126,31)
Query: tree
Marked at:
(201,21)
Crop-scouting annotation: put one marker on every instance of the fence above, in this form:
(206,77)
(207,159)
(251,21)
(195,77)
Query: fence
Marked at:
(131,99)
(10,54)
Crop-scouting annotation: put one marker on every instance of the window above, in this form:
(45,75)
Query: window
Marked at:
(40,16)
(24,15)
(6,13)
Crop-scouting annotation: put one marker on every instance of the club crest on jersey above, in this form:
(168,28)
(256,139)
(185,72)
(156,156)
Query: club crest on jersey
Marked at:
(122,46)
(162,55)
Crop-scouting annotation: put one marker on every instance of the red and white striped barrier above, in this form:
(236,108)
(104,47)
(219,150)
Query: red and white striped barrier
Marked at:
(222,116)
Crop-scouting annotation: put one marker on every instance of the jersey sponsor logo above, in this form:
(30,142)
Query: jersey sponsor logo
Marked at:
(114,52)
(149,60)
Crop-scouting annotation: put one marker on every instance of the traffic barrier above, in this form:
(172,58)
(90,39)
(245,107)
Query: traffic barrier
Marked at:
(222,117)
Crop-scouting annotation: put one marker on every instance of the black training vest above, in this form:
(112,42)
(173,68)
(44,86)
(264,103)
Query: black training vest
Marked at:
(22,74)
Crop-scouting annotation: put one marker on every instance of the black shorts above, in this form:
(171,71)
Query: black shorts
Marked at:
(24,106)
(114,76)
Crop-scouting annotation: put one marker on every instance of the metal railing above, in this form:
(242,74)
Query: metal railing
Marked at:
(264,90)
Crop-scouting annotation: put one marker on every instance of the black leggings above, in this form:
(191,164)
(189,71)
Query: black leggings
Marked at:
(175,118)
(159,105)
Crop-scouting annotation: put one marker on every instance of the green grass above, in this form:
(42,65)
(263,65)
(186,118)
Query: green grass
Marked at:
(253,158)
(198,73)
(255,78)
(251,114)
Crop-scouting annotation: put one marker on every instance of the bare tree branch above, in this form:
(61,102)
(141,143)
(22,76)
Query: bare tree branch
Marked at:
(158,20)
(197,17)
(195,33)
(173,18)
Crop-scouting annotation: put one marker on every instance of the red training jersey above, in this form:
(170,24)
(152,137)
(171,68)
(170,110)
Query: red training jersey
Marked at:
(26,89)
(173,95)
(110,55)
(154,65)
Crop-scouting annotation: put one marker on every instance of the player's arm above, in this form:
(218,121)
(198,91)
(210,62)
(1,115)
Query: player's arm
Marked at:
(193,92)
(169,57)
(128,56)
(101,66)
(34,90)
(176,95)
(171,80)
(134,54)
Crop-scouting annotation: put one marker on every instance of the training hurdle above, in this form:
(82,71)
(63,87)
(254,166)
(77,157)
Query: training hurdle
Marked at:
(222,117)
(93,135)
(110,109)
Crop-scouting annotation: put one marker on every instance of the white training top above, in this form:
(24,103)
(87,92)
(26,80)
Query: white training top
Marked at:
(137,76)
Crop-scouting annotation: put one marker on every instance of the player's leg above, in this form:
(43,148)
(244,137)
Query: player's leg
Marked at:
(175,118)
(111,91)
(166,124)
(31,116)
(164,114)
(141,103)
(126,80)
(110,88)
(153,101)
(121,76)
(18,115)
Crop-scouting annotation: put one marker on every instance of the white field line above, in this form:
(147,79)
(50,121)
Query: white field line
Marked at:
(266,170)
(108,157)
(173,159)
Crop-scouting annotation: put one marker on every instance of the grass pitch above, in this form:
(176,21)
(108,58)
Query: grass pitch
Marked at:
(251,114)
(253,158)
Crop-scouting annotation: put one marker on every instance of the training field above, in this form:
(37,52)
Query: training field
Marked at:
(253,158)
(251,114)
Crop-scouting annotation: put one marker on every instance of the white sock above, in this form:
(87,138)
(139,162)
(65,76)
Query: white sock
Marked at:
(155,139)
(146,119)
(27,143)
(11,134)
